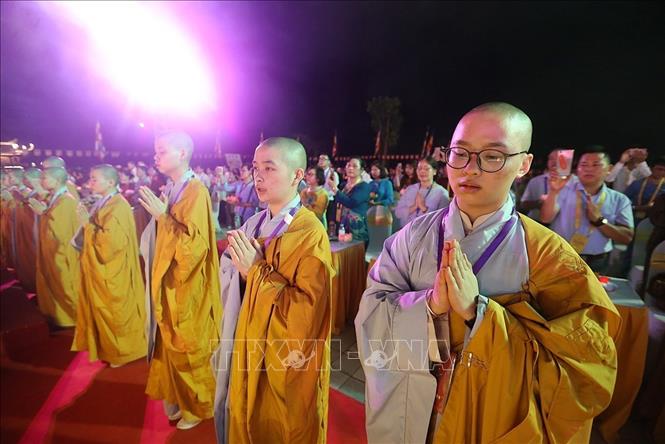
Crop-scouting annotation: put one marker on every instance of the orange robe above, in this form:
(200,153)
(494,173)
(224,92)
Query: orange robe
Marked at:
(186,304)
(280,372)
(6,222)
(71,188)
(555,340)
(111,307)
(58,267)
(27,235)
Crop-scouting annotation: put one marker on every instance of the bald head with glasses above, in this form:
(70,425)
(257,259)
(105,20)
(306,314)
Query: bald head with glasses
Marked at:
(488,151)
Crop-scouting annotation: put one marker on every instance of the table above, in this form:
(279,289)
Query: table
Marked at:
(348,283)
(631,344)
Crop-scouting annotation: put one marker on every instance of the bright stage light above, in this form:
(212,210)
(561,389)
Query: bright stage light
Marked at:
(145,53)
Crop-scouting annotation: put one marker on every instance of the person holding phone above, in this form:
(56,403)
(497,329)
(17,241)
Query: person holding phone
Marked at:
(589,215)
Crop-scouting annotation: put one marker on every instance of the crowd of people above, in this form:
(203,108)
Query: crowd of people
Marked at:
(453,274)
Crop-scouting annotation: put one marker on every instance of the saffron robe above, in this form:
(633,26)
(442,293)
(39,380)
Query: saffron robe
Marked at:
(58,267)
(111,307)
(27,241)
(7,207)
(539,367)
(185,310)
(273,363)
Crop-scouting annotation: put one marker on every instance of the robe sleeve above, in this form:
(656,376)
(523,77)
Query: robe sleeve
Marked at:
(109,238)
(554,348)
(393,345)
(190,237)
(301,305)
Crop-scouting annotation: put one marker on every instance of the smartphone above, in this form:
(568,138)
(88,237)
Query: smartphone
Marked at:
(564,162)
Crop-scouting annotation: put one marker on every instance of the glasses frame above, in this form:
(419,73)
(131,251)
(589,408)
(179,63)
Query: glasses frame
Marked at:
(446,153)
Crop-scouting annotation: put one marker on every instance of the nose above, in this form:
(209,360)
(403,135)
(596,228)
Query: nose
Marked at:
(472,168)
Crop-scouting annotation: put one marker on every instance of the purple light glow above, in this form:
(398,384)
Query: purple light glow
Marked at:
(147,55)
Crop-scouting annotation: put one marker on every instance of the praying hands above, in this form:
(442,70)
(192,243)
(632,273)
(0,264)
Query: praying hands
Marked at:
(244,251)
(152,204)
(455,286)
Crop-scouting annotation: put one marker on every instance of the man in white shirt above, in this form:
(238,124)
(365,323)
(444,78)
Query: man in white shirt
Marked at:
(631,167)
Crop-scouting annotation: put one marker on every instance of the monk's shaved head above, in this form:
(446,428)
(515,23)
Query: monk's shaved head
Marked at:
(33,173)
(17,172)
(292,152)
(514,121)
(53,161)
(58,174)
(178,140)
(108,171)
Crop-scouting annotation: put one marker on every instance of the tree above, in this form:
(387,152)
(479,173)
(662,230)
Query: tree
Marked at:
(386,117)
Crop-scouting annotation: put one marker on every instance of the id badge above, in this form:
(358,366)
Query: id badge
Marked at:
(578,242)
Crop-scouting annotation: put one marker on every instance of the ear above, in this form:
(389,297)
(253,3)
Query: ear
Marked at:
(526,165)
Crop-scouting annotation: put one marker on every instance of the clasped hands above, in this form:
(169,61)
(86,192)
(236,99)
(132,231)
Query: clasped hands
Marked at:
(455,285)
(244,251)
(152,204)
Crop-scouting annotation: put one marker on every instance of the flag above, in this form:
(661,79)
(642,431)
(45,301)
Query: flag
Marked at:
(100,150)
(430,144)
(334,146)
(377,143)
(218,145)
(424,148)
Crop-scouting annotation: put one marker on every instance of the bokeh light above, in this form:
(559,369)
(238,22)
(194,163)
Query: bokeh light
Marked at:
(147,55)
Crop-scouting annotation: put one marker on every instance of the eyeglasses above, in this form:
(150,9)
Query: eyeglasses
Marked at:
(489,161)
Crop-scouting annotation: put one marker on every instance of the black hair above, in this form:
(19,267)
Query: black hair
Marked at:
(382,167)
(320,175)
(429,159)
(593,149)
(360,161)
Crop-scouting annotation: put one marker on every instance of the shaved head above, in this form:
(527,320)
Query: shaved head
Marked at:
(58,174)
(53,161)
(16,172)
(33,173)
(514,121)
(178,140)
(291,151)
(108,171)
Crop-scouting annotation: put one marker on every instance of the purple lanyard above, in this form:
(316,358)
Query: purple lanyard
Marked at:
(277,229)
(177,196)
(489,251)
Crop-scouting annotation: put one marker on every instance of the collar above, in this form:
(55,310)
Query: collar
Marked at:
(470,226)
(285,209)
(57,193)
(480,221)
(580,187)
(188,175)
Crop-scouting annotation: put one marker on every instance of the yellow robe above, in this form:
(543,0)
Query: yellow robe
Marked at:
(186,303)
(285,316)
(315,201)
(6,248)
(554,340)
(27,234)
(58,267)
(71,189)
(111,308)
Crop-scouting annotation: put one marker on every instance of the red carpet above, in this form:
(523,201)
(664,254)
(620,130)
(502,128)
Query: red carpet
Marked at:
(50,394)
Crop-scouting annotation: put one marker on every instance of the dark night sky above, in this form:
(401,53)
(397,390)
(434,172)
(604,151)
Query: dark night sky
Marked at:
(584,72)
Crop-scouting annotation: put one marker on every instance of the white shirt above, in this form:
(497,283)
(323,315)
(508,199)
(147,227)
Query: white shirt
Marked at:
(621,177)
